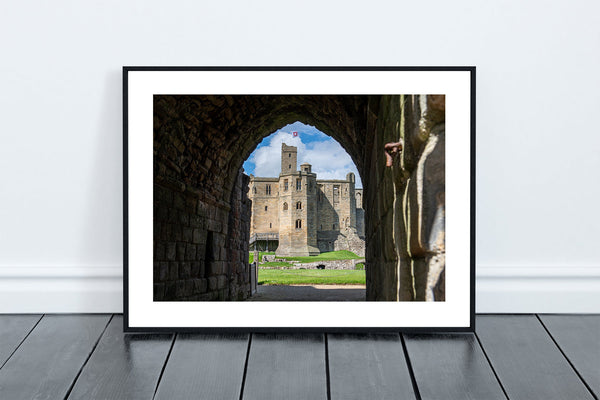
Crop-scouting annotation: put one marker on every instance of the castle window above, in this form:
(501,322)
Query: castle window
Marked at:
(289,155)
(254,190)
(298,224)
(290,166)
(268,189)
(270,225)
(321,227)
(298,184)
(333,227)
(266,208)
(336,194)
(284,206)
(285,185)
(299,205)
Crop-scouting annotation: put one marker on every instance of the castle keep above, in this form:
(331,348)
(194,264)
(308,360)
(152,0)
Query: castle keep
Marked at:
(303,216)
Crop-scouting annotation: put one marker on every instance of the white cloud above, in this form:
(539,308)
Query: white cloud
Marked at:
(267,160)
(328,158)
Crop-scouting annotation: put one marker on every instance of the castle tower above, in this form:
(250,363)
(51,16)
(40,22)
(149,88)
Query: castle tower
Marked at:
(289,158)
(297,207)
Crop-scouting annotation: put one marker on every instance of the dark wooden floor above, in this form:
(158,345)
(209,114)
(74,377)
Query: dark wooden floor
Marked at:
(510,356)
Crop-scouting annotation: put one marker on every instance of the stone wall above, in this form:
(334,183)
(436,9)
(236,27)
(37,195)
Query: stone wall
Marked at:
(196,245)
(330,264)
(264,220)
(201,232)
(346,239)
(405,203)
(360,213)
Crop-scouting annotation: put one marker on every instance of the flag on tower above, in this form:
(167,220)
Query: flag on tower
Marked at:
(294,134)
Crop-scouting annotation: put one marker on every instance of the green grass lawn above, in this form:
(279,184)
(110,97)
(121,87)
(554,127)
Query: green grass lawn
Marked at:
(276,264)
(310,276)
(330,255)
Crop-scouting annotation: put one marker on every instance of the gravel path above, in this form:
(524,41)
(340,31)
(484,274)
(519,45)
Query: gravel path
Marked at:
(309,293)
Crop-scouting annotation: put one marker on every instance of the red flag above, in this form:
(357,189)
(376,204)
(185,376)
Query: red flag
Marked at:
(294,134)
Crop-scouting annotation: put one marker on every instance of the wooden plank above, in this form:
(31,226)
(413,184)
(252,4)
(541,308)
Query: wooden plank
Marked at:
(205,367)
(47,363)
(123,366)
(451,366)
(368,366)
(13,329)
(579,338)
(286,366)
(526,360)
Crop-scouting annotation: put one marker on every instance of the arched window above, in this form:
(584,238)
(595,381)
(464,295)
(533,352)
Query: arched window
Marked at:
(298,224)
(284,206)
(299,205)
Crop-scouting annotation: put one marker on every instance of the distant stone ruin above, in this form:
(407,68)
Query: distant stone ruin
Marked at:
(303,215)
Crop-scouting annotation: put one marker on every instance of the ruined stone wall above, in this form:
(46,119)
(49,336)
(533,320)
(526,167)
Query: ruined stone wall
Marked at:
(329,264)
(264,220)
(360,213)
(405,203)
(336,211)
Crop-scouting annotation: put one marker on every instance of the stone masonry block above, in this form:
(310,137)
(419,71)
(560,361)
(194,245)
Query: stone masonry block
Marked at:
(212,283)
(171,251)
(173,270)
(221,281)
(180,251)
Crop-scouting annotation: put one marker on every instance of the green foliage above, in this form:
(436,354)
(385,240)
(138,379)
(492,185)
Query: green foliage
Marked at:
(310,276)
(359,267)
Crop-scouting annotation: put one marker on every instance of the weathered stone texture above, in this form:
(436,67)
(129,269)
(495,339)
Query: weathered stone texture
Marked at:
(409,201)
(202,212)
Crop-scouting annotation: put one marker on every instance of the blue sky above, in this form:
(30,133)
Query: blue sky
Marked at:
(329,160)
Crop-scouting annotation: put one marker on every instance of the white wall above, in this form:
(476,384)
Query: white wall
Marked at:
(538,144)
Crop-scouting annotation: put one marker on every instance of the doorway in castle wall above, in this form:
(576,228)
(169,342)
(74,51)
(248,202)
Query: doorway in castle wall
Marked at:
(307,224)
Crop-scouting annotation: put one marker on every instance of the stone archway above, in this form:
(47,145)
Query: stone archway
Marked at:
(201,208)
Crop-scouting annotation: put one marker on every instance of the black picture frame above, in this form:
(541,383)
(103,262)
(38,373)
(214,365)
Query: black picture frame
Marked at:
(127,179)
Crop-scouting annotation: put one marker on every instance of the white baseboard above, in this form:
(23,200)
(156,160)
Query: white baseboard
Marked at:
(51,289)
(535,289)
(507,289)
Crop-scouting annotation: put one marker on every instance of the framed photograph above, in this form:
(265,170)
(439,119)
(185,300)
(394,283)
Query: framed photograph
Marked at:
(299,198)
